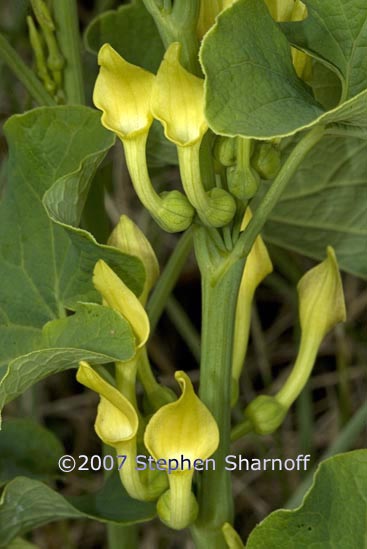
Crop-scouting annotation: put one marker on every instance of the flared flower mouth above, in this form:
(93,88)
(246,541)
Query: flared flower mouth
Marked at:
(122,91)
(178,100)
(185,427)
(116,420)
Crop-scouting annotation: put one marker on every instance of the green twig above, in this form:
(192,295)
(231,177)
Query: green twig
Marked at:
(168,278)
(24,74)
(184,326)
(219,302)
(120,536)
(68,36)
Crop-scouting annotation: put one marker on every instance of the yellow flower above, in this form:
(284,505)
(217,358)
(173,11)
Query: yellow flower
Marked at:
(128,238)
(233,540)
(117,421)
(178,103)
(122,91)
(321,307)
(182,428)
(258,266)
(120,298)
(321,298)
(117,425)
(178,100)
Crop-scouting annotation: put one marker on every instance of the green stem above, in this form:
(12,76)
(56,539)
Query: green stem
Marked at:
(122,536)
(168,278)
(248,237)
(119,536)
(184,326)
(157,394)
(241,430)
(219,301)
(179,25)
(67,25)
(29,80)
(126,378)
(301,370)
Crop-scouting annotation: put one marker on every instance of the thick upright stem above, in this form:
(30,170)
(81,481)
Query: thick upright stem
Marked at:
(219,300)
(168,278)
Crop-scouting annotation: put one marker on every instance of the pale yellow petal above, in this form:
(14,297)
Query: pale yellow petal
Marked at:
(185,427)
(258,264)
(321,298)
(116,420)
(120,298)
(178,100)
(122,91)
(128,238)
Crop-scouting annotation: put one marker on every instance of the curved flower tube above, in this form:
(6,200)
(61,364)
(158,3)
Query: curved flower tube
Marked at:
(184,428)
(122,91)
(321,307)
(117,425)
(178,103)
(258,265)
(120,298)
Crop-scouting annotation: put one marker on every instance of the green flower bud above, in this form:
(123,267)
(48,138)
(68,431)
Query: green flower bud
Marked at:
(225,150)
(266,160)
(265,414)
(242,182)
(123,93)
(175,500)
(176,211)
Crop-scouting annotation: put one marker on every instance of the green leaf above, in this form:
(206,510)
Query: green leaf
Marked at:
(335,33)
(326,204)
(131,31)
(95,333)
(326,86)
(27,504)
(332,515)
(41,271)
(27,448)
(252,89)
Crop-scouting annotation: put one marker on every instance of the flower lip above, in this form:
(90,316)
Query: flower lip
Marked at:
(178,100)
(122,424)
(122,91)
(182,428)
(120,298)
